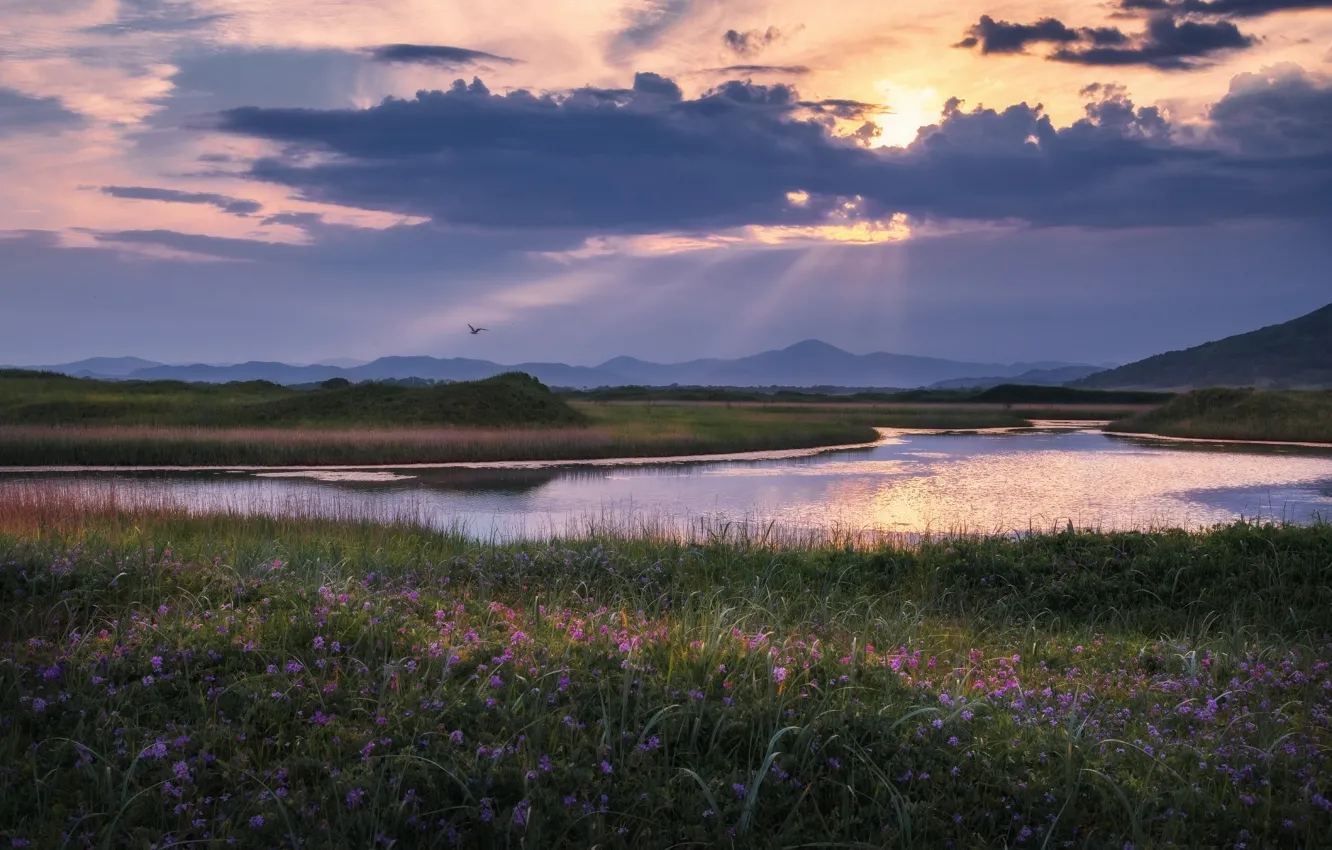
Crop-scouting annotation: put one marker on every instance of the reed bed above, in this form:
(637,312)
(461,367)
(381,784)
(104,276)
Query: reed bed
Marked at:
(169,679)
(174,446)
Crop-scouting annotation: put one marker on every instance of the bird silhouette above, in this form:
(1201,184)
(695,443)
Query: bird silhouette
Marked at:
(475,331)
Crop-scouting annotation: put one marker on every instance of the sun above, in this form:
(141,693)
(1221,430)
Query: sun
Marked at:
(908,110)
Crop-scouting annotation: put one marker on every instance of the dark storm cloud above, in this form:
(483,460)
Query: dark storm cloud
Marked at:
(1227,8)
(433,54)
(20,113)
(1286,113)
(1167,44)
(225,203)
(751,42)
(157,16)
(643,160)
(1003,37)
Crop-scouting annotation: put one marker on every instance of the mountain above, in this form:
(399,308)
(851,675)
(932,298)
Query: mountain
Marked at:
(811,363)
(1056,377)
(101,367)
(805,364)
(434,368)
(1291,355)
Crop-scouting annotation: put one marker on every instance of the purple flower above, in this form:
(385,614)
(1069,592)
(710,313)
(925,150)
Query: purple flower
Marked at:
(156,661)
(39,705)
(354,798)
(456,736)
(257,821)
(779,674)
(739,790)
(605,767)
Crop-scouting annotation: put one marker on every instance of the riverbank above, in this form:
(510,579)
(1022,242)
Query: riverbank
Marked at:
(1248,415)
(199,679)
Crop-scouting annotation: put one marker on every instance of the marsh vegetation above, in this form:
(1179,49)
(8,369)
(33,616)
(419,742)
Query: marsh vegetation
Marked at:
(168,679)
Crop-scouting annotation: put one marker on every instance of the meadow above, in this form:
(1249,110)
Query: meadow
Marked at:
(170,680)
(1239,414)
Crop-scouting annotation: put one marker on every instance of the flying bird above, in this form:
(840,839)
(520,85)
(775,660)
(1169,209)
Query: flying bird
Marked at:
(476,331)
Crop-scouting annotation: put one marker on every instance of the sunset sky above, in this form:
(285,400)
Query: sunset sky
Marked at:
(227,180)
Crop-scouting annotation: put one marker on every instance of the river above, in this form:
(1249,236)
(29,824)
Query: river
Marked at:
(910,483)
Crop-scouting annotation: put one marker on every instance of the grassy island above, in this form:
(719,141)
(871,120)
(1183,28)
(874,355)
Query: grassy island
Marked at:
(168,680)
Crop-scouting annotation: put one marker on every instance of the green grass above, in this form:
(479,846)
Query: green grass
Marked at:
(511,400)
(167,680)
(1239,414)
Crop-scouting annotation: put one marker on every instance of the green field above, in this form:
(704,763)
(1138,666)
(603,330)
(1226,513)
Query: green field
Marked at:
(1239,414)
(176,681)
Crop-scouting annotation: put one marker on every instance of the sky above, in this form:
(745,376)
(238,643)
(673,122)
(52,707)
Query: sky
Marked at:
(231,180)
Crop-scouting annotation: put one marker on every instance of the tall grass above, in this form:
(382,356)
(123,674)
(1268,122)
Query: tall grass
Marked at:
(162,446)
(1239,414)
(170,680)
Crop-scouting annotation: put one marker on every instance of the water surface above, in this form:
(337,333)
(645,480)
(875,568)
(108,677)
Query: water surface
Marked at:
(911,482)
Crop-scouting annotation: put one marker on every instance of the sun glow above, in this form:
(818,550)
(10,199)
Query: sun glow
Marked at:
(908,110)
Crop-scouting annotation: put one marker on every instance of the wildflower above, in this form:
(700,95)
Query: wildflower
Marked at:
(739,790)
(605,767)
(39,705)
(456,736)
(779,674)
(156,661)
(257,821)
(354,797)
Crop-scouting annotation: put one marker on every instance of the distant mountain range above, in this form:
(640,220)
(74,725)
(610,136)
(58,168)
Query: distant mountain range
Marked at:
(1297,353)
(805,364)
(1292,355)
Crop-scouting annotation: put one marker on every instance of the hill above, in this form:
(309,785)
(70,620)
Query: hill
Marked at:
(806,364)
(1292,355)
(1056,377)
(1223,413)
(39,398)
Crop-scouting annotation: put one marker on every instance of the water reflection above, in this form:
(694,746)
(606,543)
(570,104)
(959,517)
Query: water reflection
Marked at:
(912,482)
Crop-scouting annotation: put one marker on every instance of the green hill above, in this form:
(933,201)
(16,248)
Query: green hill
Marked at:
(44,398)
(1293,355)
(1223,413)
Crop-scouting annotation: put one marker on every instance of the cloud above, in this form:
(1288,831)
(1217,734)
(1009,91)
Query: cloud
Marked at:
(157,16)
(788,70)
(21,113)
(752,42)
(431,54)
(1281,111)
(645,160)
(1226,8)
(1003,37)
(648,22)
(1167,44)
(225,203)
